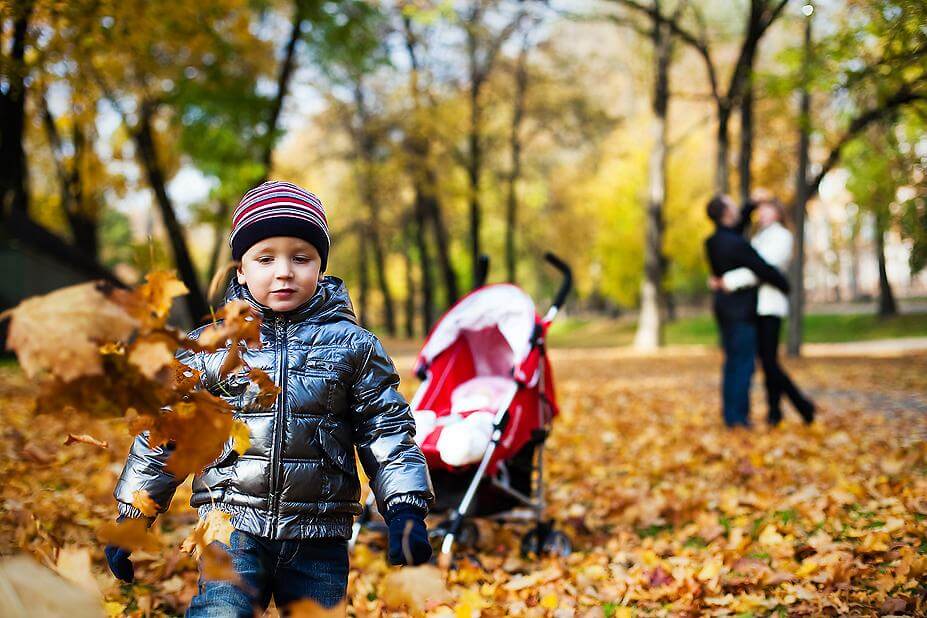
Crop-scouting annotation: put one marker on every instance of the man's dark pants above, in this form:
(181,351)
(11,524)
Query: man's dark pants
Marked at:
(738,337)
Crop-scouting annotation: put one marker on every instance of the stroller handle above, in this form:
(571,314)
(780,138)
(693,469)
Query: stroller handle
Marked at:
(565,287)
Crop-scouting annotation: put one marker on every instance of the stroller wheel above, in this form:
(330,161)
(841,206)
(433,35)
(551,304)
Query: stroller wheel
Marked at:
(544,540)
(468,533)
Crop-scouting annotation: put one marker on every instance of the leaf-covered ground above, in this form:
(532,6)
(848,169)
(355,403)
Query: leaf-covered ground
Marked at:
(669,513)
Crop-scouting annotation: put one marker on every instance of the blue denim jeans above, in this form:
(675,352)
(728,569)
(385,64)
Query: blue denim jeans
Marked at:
(739,341)
(288,571)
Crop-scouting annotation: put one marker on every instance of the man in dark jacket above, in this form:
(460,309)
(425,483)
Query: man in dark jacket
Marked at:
(735,311)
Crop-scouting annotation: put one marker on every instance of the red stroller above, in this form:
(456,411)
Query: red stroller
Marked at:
(484,410)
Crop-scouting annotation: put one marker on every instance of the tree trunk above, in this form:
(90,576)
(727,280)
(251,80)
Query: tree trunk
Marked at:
(746,143)
(219,241)
(424,266)
(13,169)
(144,142)
(722,150)
(410,286)
(802,194)
(474,169)
(424,177)
(887,305)
(283,83)
(511,207)
(363,297)
(364,144)
(83,225)
(649,334)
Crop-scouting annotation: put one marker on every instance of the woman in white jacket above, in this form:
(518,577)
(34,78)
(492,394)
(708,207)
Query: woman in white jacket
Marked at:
(774,244)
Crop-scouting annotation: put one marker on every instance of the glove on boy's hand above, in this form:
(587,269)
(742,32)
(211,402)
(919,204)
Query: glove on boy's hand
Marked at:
(404,546)
(118,557)
(118,560)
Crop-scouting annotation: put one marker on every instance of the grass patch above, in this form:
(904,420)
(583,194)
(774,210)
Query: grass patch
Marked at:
(701,330)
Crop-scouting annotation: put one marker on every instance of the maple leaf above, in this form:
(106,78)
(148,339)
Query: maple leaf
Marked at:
(206,543)
(150,303)
(131,534)
(143,502)
(152,353)
(268,390)
(235,321)
(198,428)
(60,333)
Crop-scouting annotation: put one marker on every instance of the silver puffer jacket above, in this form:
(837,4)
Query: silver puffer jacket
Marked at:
(298,478)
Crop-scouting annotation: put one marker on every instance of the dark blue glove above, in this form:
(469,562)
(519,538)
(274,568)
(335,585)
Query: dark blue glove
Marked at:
(119,563)
(408,536)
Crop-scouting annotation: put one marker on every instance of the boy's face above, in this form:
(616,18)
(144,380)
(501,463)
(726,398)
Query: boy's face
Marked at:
(281,272)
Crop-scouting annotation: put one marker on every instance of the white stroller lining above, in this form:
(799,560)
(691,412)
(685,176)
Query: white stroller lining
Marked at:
(465,441)
(467,430)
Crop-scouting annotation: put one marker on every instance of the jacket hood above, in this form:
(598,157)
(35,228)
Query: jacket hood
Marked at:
(330,303)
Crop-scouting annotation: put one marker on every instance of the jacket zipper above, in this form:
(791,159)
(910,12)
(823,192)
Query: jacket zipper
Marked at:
(278,425)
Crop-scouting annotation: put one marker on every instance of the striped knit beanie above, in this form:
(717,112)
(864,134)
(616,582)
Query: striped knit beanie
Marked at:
(279,209)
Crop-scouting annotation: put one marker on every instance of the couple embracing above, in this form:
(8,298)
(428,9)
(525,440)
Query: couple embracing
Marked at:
(749,304)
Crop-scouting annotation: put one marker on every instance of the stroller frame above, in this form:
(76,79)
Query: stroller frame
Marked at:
(542,537)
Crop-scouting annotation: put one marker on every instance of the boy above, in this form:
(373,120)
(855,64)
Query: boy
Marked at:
(293,495)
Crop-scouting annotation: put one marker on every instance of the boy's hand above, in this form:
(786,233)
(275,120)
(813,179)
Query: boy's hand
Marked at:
(118,560)
(408,536)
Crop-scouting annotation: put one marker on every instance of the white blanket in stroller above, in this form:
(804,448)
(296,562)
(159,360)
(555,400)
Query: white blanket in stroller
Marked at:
(467,430)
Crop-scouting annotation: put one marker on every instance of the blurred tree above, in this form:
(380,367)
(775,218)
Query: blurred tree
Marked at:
(875,63)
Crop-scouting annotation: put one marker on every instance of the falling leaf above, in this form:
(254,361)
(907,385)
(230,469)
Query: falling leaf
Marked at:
(86,439)
(73,564)
(151,354)
(241,438)
(29,589)
(131,534)
(416,589)
(306,608)
(268,390)
(216,526)
(60,333)
(143,502)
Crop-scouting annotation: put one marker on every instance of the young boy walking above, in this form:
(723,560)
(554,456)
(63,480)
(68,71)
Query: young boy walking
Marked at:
(293,494)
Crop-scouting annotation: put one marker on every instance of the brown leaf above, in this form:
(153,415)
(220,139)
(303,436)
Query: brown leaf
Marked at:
(60,333)
(198,428)
(143,502)
(73,564)
(416,589)
(269,390)
(131,534)
(236,322)
(307,608)
(29,589)
(86,439)
(152,353)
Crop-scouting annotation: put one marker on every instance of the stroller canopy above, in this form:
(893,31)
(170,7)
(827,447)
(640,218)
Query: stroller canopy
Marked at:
(501,306)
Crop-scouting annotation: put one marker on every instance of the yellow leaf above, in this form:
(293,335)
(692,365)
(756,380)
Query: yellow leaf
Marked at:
(624,612)
(416,589)
(143,502)
(710,571)
(550,601)
(807,567)
(241,438)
